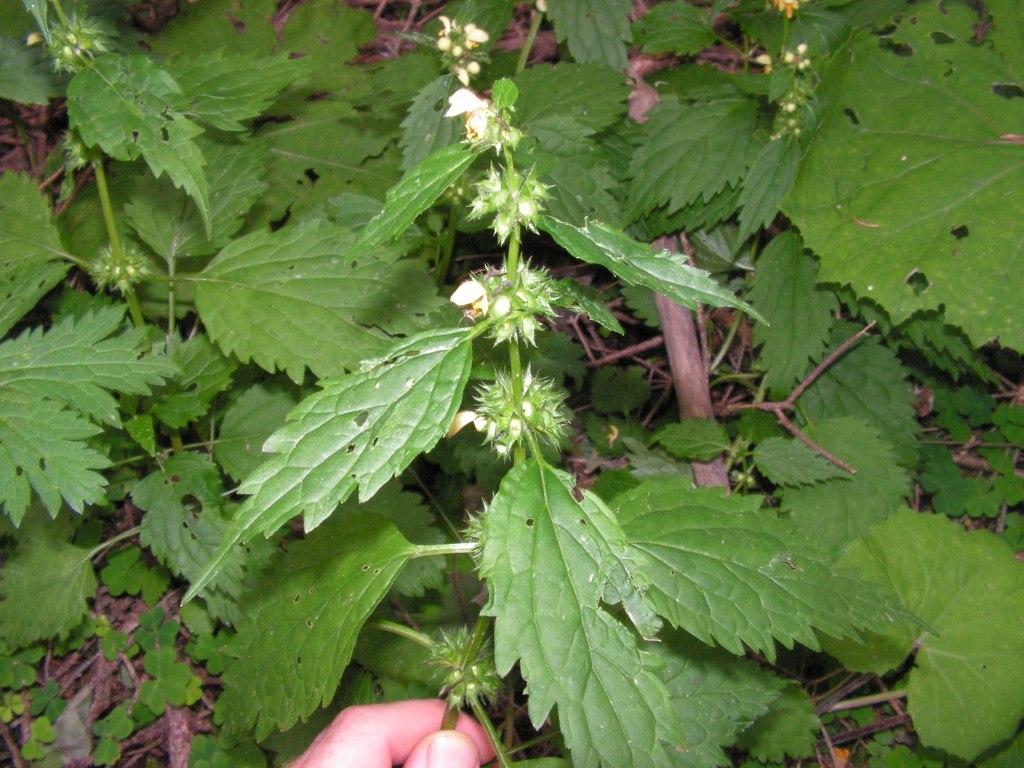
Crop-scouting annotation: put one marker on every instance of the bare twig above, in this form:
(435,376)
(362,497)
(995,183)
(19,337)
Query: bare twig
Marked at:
(630,351)
(12,746)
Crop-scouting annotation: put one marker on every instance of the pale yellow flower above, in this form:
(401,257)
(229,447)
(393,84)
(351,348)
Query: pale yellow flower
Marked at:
(788,7)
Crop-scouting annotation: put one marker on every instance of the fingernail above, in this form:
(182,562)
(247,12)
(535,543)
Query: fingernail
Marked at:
(451,751)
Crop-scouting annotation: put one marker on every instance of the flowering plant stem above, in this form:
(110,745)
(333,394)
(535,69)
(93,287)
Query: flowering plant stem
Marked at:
(116,249)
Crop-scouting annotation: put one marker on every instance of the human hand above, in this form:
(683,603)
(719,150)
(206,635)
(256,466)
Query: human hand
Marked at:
(401,733)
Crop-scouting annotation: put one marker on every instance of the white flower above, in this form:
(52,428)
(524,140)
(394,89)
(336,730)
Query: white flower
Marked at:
(464,102)
(475,36)
(462,74)
(473,294)
(447,24)
(462,418)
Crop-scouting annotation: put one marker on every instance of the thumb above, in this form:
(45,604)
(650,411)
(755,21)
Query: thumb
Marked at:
(444,749)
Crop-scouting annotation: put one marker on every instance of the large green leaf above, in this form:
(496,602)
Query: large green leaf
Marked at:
(301,622)
(247,423)
(30,246)
(128,106)
(595,30)
(45,585)
(328,34)
(237,26)
(306,297)
(79,362)
(358,431)
(689,153)
(205,373)
(416,192)
(715,696)
(788,728)
(910,191)
(592,94)
(769,180)
(800,315)
(675,27)
(730,574)
(425,129)
(26,76)
(552,566)
(639,264)
(838,511)
(966,687)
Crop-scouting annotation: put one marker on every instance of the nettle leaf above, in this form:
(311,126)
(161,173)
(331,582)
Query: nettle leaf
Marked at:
(593,94)
(237,26)
(730,574)
(130,107)
(78,362)
(785,461)
(700,439)
(903,192)
(26,76)
(583,299)
(715,696)
(662,271)
(675,27)
(358,431)
(205,373)
(183,524)
(690,152)
(788,729)
(300,624)
(223,91)
(766,184)
(595,30)
(169,223)
(838,511)
(425,129)
(799,313)
(553,565)
(417,191)
(46,585)
(870,383)
(32,261)
(328,34)
(966,687)
(306,296)
(248,422)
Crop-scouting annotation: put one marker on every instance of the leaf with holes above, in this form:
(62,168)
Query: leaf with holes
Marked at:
(908,192)
(300,624)
(358,431)
(595,30)
(552,565)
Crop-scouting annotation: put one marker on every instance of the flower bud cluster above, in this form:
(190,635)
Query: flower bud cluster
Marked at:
(110,270)
(456,42)
(477,682)
(788,7)
(541,412)
(513,306)
(484,126)
(514,199)
(72,45)
(795,104)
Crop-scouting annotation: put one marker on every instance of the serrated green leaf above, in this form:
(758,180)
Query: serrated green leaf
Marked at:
(130,107)
(169,223)
(787,461)
(300,624)
(31,247)
(593,94)
(26,76)
(730,574)
(45,585)
(237,26)
(358,431)
(328,34)
(944,346)
(788,729)
(839,511)
(248,422)
(800,314)
(870,383)
(903,193)
(43,448)
(700,439)
(595,30)
(661,271)
(183,524)
(767,183)
(306,296)
(549,562)
(78,362)
(690,152)
(205,373)
(425,129)
(225,90)
(675,27)
(583,299)
(619,390)
(966,687)
(715,696)
(416,192)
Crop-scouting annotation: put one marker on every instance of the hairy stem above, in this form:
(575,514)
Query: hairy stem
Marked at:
(116,249)
(524,53)
(401,630)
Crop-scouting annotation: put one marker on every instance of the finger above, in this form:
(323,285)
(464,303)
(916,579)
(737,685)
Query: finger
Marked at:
(382,735)
(444,749)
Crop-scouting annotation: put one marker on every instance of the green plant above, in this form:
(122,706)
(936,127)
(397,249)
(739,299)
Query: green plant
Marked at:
(229,330)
